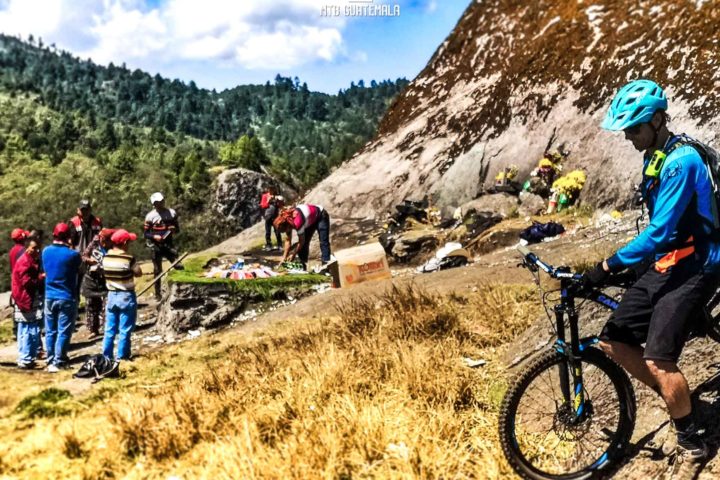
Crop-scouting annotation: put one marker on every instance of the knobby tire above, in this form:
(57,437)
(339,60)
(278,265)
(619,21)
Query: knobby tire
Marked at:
(617,442)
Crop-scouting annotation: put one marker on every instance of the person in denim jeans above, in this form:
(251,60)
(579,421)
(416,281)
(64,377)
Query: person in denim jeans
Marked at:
(120,269)
(26,279)
(61,265)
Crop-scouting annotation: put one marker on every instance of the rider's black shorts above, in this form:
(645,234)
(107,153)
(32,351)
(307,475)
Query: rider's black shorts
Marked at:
(660,310)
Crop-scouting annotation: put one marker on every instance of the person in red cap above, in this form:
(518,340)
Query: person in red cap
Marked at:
(61,264)
(18,236)
(93,286)
(27,280)
(120,270)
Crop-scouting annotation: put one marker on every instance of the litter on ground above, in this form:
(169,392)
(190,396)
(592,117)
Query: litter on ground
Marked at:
(473,363)
(449,256)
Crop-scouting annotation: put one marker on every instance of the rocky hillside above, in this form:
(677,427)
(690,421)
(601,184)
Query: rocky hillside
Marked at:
(514,77)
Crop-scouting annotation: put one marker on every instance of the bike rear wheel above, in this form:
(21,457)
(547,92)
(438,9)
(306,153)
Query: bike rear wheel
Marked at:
(539,431)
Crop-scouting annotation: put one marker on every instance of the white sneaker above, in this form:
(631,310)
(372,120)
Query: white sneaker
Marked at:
(52,369)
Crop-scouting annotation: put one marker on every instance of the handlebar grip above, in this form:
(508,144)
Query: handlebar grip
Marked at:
(524,250)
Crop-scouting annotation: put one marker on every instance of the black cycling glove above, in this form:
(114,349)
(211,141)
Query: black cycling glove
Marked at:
(596,276)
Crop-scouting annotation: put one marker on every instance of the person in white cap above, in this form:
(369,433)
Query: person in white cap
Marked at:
(161,225)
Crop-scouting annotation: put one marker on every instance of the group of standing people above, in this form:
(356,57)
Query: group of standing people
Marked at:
(83,258)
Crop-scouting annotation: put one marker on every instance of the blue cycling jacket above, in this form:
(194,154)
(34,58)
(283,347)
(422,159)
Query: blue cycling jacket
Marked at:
(680,208)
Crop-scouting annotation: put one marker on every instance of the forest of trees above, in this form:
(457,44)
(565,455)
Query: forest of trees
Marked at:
(307,132)
(70,129)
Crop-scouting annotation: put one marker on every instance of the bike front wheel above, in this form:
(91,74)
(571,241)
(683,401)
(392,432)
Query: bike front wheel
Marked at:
(541,434)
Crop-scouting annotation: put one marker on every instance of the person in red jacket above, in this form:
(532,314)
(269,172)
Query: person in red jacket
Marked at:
(84,227)
(26,282)
(18,236)
(271,203)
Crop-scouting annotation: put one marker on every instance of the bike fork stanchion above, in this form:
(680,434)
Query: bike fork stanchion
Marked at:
(576,363)
(561,346)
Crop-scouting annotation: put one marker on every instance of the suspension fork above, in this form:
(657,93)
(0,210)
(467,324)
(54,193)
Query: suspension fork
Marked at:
(576,364)
(562,347)
(573,393)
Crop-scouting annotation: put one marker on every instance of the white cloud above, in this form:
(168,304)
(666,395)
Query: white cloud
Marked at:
(127,33)
(252,34)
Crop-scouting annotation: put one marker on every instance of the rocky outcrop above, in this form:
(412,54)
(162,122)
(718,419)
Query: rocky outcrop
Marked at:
(502,204)
(189,306)
(414,244)
(530,204)
(237,196)
(516,77)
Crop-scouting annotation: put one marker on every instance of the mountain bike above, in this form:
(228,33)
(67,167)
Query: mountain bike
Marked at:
(570,413)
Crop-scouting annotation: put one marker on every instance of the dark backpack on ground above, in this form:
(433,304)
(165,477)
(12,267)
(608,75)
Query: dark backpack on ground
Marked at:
(98,367)
(539,231)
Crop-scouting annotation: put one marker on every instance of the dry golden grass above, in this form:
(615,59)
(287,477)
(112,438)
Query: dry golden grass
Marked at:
(378,390)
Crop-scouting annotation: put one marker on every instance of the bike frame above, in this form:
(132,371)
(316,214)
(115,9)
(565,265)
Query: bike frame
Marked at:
(573,394)
(574,397)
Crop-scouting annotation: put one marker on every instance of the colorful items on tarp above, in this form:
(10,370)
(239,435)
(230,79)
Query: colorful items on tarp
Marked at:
(240,271)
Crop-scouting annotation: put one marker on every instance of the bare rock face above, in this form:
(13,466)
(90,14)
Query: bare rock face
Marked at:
(502,204)
(414,244)
(541,77)
(530,204)
(237,196)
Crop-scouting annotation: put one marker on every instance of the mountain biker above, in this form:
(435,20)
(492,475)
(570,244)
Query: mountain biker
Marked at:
(658,309)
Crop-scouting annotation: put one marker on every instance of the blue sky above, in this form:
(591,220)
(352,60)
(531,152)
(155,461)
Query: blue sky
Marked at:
(223,43)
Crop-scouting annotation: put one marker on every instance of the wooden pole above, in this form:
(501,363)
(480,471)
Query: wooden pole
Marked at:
(156,279)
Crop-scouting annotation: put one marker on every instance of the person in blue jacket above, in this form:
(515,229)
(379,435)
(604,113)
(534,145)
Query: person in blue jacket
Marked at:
(61,264)
(657,310)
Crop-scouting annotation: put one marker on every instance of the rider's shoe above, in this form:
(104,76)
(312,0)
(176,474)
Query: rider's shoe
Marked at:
(689,458)
(692,448)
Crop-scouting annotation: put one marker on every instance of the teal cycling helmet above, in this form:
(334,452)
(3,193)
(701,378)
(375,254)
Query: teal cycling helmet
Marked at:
(635,103)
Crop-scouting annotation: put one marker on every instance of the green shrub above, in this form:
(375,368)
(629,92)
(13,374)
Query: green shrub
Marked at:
(51,402)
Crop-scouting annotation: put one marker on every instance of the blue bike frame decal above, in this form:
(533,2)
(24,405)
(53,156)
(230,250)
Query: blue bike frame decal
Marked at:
(608,302)
(600,462)
(604,300)
(579,400)
(588,342)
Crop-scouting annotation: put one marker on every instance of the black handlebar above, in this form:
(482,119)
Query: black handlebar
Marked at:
(533,262)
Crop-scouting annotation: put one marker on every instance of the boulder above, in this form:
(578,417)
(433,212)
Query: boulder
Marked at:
(189,306)
(477,222)
(410,244)
(237,196)
(502,204)
(530,204)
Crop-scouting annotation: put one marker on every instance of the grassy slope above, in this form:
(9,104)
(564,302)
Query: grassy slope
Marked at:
(377,389)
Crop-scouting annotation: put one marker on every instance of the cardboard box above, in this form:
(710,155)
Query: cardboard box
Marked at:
(361,264)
